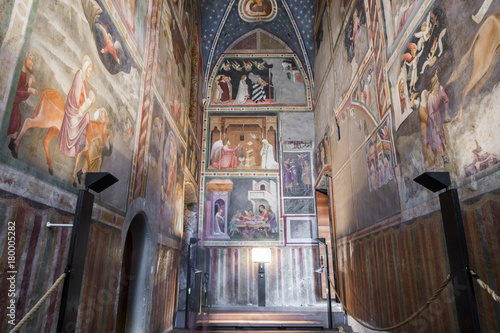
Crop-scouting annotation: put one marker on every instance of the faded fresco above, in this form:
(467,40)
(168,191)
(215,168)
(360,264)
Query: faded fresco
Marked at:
(196,91)
(445,95)
(193,156)
(397,15)
(243,143)
(165,183)
(258,81)
(379,156)
(351,50)
(338,11)
(321,156)
(75,103)
(365,92)
(242,209)
(257,10)
(297,174)
(302,206)
(172,77)
(134,13)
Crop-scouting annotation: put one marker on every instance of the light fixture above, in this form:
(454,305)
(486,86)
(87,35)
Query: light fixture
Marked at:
(99,181)
(260,254)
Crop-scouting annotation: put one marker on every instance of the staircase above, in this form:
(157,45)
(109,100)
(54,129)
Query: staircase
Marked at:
(297,319)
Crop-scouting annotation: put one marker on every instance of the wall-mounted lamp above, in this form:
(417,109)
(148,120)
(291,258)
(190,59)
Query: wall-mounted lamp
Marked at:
(261,256)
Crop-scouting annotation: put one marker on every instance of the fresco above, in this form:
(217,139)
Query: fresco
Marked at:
(365,92)
(351,50)
(321,155)
(444,95)
(134,13)
(172,77)
(258,81)
(379,156)
(397,15)
(165,183)
(297,145)
(242,209)
(338,11)
(193,156)
(112,52)
(297,174)
(257,10)
(196,91)
(243,143)
(62,122)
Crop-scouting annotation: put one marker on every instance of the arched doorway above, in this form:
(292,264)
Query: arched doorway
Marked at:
(134,277)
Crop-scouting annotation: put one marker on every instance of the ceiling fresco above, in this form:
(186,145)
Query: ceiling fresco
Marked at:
(222,16)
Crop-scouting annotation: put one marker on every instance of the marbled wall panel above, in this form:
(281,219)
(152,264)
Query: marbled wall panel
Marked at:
(290,277)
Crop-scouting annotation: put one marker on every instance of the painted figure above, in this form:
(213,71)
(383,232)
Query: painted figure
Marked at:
(111,47)
(289,172)
(233,224)
(155,145)
(242,95)
(258,91)
(76,117)
(267,153)
(23,92)
(219,222)
(223,89)
(223,156)
(484,53)
(98,137)
(306,175)
(435,133)
(411,60)
(168,177)
(273,225)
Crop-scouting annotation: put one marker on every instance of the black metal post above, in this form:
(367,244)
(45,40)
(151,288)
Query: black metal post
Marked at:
(262,284)
(328,293)
(70,298)
(188,282)
(192,241)
(332,237)
(458,257)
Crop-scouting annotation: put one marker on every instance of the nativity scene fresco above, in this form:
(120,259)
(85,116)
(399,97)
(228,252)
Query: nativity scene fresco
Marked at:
(242,209)
(255,81)
(75,102)
(243,143)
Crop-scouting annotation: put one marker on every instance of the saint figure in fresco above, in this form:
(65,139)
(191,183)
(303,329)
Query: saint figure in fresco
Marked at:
(23,92)
(267,153)
(72,137)
(223,90)
(435,132)
(223,156)
(257,8)
(242,95)
(272,221)
(168,171)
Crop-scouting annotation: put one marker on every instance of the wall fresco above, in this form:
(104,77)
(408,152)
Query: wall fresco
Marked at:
(193,156)
(172,77)
(257,10)
(165,184)
(258,81)
(242,209)
(243,143)
(62,103)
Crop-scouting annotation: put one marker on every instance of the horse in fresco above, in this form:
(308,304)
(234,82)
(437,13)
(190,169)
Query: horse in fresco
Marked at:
(49,113)
(485,50)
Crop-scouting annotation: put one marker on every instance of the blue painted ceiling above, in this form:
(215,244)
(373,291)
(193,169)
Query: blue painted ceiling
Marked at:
(212,12)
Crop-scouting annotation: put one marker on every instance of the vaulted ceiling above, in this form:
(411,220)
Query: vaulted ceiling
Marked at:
(221,25)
